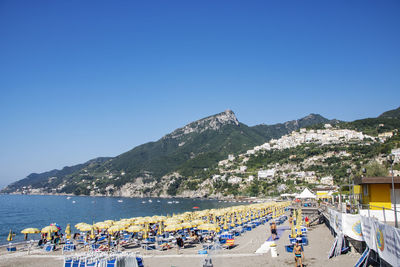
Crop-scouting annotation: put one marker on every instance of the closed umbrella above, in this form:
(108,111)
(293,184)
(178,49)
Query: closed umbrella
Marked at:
(68,231)
(160,229)
(92,234)
(225,227)
(10,236)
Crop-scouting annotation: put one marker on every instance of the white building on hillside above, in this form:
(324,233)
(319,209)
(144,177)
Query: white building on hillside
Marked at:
(327,180)
(266,174)
(234,180)
(396,153)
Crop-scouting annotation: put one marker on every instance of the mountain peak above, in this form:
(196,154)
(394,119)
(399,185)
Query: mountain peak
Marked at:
(214,122)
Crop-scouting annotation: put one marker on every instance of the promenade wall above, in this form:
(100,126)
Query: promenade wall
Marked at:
(384,239)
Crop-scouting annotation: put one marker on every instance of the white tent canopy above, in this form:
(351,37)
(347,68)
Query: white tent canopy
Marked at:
(306,194)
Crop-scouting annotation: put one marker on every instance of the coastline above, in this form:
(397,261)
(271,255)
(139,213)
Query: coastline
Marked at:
(223,198)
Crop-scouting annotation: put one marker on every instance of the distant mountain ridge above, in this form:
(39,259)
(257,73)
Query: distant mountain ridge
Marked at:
(277,130)
(160,167)
(40,179)
(391,114)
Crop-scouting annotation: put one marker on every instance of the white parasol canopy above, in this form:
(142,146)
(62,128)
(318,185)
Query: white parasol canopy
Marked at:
(306,194)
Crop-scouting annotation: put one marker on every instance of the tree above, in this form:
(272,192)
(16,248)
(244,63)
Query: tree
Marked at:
(374,169)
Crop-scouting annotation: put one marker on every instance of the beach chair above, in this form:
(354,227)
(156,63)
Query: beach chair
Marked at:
(230,243)
(112,262)
(101,239)
(68,262)
(94,247)
(139,261)
(49,247)
(68,248)
(75,262)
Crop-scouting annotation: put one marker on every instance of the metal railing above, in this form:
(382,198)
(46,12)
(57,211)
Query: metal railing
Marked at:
(383,208)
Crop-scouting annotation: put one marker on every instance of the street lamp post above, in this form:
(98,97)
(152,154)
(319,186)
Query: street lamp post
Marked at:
(350,193)
(391,161)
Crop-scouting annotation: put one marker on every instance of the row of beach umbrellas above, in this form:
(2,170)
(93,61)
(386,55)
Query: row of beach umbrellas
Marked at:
(210,220)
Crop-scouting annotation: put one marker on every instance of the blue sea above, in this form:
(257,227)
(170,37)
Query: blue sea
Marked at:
(18,212)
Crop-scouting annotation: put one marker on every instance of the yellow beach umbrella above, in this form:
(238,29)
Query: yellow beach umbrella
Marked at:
(225,227)
(27,231)
(159,218)
(109,222)
(187,225)
(78,225)
(86,228)
(102,225)
(172,221)
(115,228)
(30,231)
(140,220)
(135,229)
(209,227)
(173,227)
(197,222)
(50,228)
(150,219)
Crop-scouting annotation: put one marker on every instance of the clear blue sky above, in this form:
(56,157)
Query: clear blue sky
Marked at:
(81,79)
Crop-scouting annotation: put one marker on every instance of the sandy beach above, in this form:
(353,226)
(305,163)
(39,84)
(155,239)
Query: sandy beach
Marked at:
(320,241)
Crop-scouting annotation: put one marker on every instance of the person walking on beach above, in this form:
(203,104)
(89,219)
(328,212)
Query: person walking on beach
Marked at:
(273,230)
(307,220)
(298,254)
(179,243)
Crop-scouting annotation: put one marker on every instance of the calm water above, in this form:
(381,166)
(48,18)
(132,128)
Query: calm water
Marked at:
(21,211)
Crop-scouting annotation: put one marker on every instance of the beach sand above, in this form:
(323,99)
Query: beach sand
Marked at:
(320,241)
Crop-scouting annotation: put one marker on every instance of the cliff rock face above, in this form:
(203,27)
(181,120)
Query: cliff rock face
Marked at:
(214,122)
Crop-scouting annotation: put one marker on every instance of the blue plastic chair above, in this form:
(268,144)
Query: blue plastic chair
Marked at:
(68,262)
(139,261)
(112,263)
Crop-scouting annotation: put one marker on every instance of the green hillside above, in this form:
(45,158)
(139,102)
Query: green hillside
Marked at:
(187,156)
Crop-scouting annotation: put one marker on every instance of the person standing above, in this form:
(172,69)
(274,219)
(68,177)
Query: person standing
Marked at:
(179,243)
(273,230)
(298,254)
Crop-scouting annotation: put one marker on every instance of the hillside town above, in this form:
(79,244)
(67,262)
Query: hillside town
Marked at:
(321,137)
